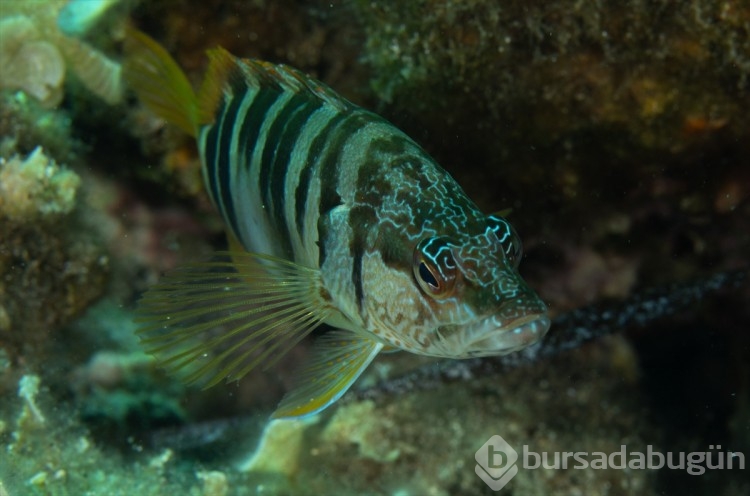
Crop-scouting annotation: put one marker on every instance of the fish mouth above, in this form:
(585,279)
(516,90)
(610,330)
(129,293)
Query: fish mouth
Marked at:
(493,336)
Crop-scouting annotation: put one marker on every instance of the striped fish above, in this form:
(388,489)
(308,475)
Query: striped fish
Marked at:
(334,217)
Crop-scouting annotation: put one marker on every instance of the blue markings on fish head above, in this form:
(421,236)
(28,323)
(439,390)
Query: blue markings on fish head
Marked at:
(489,309)
(463,296)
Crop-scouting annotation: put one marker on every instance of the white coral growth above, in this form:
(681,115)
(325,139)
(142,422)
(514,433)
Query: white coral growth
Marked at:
(35,187)
(28,389)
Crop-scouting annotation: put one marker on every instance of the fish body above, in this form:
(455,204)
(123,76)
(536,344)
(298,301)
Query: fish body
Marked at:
(335,217)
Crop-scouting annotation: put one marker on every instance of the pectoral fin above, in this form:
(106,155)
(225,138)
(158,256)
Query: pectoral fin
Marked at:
(220,319)
(339,358)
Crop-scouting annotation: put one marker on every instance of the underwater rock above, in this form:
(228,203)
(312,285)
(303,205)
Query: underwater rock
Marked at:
(59,456)
(564,106)
(424,442)
(214,482)
(568,65)
(123,391)
(280,448)
(51,267)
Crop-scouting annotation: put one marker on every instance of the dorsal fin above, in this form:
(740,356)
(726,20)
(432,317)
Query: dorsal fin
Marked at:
(223,70)
(258,72)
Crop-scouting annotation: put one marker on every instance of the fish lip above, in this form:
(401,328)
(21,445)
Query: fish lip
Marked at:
(500,338)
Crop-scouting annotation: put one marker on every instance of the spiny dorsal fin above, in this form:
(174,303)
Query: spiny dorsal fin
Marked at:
(258,72)
(223,70)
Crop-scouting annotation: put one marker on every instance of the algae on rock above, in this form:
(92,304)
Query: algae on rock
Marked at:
(51,266)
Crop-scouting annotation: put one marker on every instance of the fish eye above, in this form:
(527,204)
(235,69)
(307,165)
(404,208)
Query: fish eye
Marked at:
(434,267)
(508,238)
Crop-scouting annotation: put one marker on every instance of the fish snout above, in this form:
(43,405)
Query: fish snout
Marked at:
(500,337)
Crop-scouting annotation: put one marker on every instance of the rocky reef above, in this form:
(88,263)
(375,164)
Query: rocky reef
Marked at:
(616,133)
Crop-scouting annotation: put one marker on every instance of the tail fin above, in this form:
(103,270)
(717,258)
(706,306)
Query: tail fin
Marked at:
(159,82)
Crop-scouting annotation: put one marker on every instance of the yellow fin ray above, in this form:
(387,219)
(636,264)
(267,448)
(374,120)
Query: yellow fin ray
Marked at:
(185,356)
(339,359)
(263,351)
(265,306)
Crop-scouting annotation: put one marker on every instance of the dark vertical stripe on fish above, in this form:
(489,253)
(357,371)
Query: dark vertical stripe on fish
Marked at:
(210,156)
(279,120)
(329,168)
(282,162)
(361,219)
(329,162)
(313,154)
(253,120)
(223,165)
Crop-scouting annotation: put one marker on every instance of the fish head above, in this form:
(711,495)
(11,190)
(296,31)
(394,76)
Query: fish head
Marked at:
(480,304)
(466,297)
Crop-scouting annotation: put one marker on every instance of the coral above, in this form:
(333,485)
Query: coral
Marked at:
(280,447)
(35,188)
(29,63)
(28,389)
(214,482)
(36,55)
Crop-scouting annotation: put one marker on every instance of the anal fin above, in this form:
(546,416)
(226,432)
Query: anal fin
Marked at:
(339,359)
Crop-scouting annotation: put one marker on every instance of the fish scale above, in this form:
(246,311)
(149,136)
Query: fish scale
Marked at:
(334,217)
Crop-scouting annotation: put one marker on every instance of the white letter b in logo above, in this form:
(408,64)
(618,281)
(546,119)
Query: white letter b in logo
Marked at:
(496,463)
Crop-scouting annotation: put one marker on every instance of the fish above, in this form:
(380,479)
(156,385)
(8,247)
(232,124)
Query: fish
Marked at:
(336,220)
